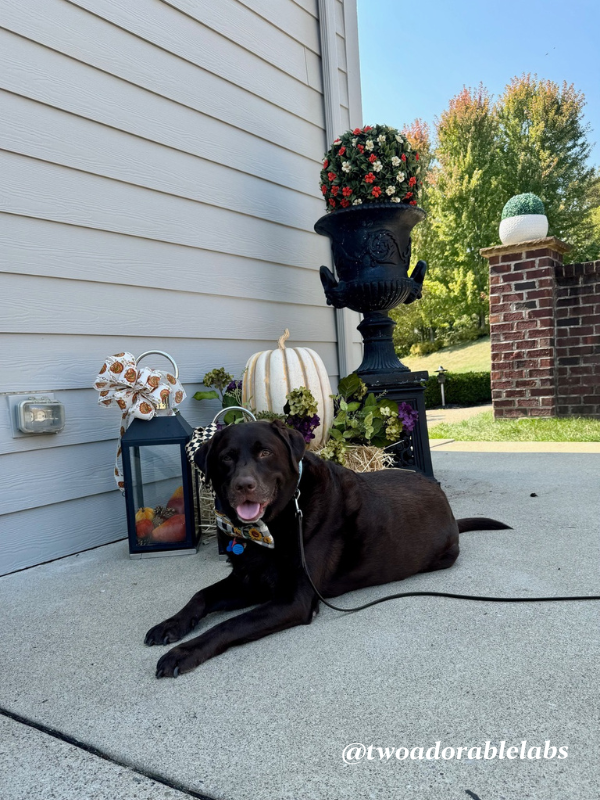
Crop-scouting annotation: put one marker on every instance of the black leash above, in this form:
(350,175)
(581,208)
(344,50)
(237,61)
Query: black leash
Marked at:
(418,594)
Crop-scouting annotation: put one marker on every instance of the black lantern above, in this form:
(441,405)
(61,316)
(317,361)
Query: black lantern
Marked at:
(161,494)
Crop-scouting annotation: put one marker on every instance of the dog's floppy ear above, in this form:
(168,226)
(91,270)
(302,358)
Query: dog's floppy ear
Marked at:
(293,439)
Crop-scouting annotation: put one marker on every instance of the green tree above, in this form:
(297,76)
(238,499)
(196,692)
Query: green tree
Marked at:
(464,201)
(593,250)
(544,148)
(532,139)
(417,323)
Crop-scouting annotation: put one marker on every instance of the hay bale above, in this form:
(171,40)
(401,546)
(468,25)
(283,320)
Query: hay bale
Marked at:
(367,458)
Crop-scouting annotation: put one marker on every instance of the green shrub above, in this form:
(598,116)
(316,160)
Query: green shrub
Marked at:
(520,204)
(463,329)
(420,349)
(461,389)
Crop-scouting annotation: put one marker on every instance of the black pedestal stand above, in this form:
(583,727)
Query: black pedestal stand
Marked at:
(406,387)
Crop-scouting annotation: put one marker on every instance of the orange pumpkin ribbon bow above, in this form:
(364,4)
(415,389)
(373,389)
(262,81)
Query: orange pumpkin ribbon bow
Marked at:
(138,391)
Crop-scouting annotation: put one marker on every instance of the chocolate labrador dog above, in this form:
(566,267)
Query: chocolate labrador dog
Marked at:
(358,530)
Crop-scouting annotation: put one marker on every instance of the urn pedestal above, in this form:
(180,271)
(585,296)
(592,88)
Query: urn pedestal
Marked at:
(413,452)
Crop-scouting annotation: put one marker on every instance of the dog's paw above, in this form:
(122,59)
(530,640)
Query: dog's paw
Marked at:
(167,632)
(176,661)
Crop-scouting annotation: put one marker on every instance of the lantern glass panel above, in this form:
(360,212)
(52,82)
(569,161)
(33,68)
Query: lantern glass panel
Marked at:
(157,486)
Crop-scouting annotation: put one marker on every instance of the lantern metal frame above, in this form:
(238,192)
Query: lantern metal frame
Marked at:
(163,429)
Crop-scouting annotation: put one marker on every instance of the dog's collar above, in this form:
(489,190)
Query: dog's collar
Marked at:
(257,532)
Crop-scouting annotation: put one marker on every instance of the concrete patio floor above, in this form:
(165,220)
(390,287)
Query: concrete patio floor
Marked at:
(269,721)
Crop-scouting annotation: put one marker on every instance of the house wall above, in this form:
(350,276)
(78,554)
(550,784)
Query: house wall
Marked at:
(159,188)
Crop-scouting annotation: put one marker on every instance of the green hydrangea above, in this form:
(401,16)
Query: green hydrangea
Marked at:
(217,377)
(334,450)
(270,415)
(521,204)
(301,403)
(393,428)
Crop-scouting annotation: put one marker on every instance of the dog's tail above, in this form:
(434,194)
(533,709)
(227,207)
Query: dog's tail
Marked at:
(481,524)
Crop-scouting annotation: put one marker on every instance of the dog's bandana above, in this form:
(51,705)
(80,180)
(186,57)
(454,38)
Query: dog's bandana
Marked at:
(256,532)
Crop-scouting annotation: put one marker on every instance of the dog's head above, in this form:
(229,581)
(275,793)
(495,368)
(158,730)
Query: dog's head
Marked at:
(253,468)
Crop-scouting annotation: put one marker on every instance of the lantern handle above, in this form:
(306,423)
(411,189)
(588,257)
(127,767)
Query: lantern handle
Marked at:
(159,353)
(234,408)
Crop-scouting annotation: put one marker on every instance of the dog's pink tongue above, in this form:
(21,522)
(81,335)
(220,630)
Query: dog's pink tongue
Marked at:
(248,510)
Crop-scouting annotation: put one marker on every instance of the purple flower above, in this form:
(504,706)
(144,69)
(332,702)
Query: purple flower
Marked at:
(305,425)
(233,386)
(408,416)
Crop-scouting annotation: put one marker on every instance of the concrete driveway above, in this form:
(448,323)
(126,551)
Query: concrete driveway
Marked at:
(271,720)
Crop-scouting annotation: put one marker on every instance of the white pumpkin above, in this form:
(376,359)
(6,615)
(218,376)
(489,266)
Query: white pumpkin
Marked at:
(270,375)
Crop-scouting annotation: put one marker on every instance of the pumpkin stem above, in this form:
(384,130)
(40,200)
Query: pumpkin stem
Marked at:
(283,339)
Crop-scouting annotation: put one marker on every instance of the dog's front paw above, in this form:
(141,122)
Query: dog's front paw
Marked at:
(176,661)
(167,632)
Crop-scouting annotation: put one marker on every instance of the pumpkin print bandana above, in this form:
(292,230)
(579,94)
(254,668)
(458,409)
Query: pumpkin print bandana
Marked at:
(256,532)
(137,391)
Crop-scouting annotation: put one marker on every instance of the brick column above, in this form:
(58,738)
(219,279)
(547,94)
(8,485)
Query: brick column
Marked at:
(522,326)
(578,339)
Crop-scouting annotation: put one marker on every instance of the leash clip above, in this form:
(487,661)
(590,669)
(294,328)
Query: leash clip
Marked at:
(298,509)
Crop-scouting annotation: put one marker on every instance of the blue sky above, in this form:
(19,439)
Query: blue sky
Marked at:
(415,56)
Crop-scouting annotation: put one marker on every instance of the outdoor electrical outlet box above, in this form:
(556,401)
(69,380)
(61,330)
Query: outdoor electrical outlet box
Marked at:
(35,414)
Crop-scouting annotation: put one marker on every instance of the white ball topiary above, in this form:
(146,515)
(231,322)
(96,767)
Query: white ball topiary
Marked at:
(523,219)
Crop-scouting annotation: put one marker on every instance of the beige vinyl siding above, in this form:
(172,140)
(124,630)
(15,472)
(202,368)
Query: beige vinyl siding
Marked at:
(159,188)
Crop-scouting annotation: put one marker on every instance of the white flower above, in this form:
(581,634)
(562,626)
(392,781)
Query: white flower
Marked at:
(390,190)
(381,139)
(408,147)
(377,166)
(346,166)
(395,199)
(400,177)
(357,202)
(354,141)
(395,161)
(399,139)
(369,144)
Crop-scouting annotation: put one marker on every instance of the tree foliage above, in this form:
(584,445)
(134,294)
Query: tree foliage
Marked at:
(533,138)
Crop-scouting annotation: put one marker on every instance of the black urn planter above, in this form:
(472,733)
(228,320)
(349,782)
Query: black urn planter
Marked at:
(371,252)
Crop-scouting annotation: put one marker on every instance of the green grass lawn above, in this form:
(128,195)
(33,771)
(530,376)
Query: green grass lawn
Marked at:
(468,357)
(483,428)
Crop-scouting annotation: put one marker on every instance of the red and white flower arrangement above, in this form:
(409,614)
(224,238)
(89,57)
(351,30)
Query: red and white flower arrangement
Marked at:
(367,165)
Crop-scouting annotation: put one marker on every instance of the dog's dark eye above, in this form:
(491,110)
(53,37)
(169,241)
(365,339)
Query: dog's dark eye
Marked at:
(264,453)
(226,458)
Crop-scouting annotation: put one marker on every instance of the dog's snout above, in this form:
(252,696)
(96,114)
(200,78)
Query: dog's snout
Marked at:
(245,483)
